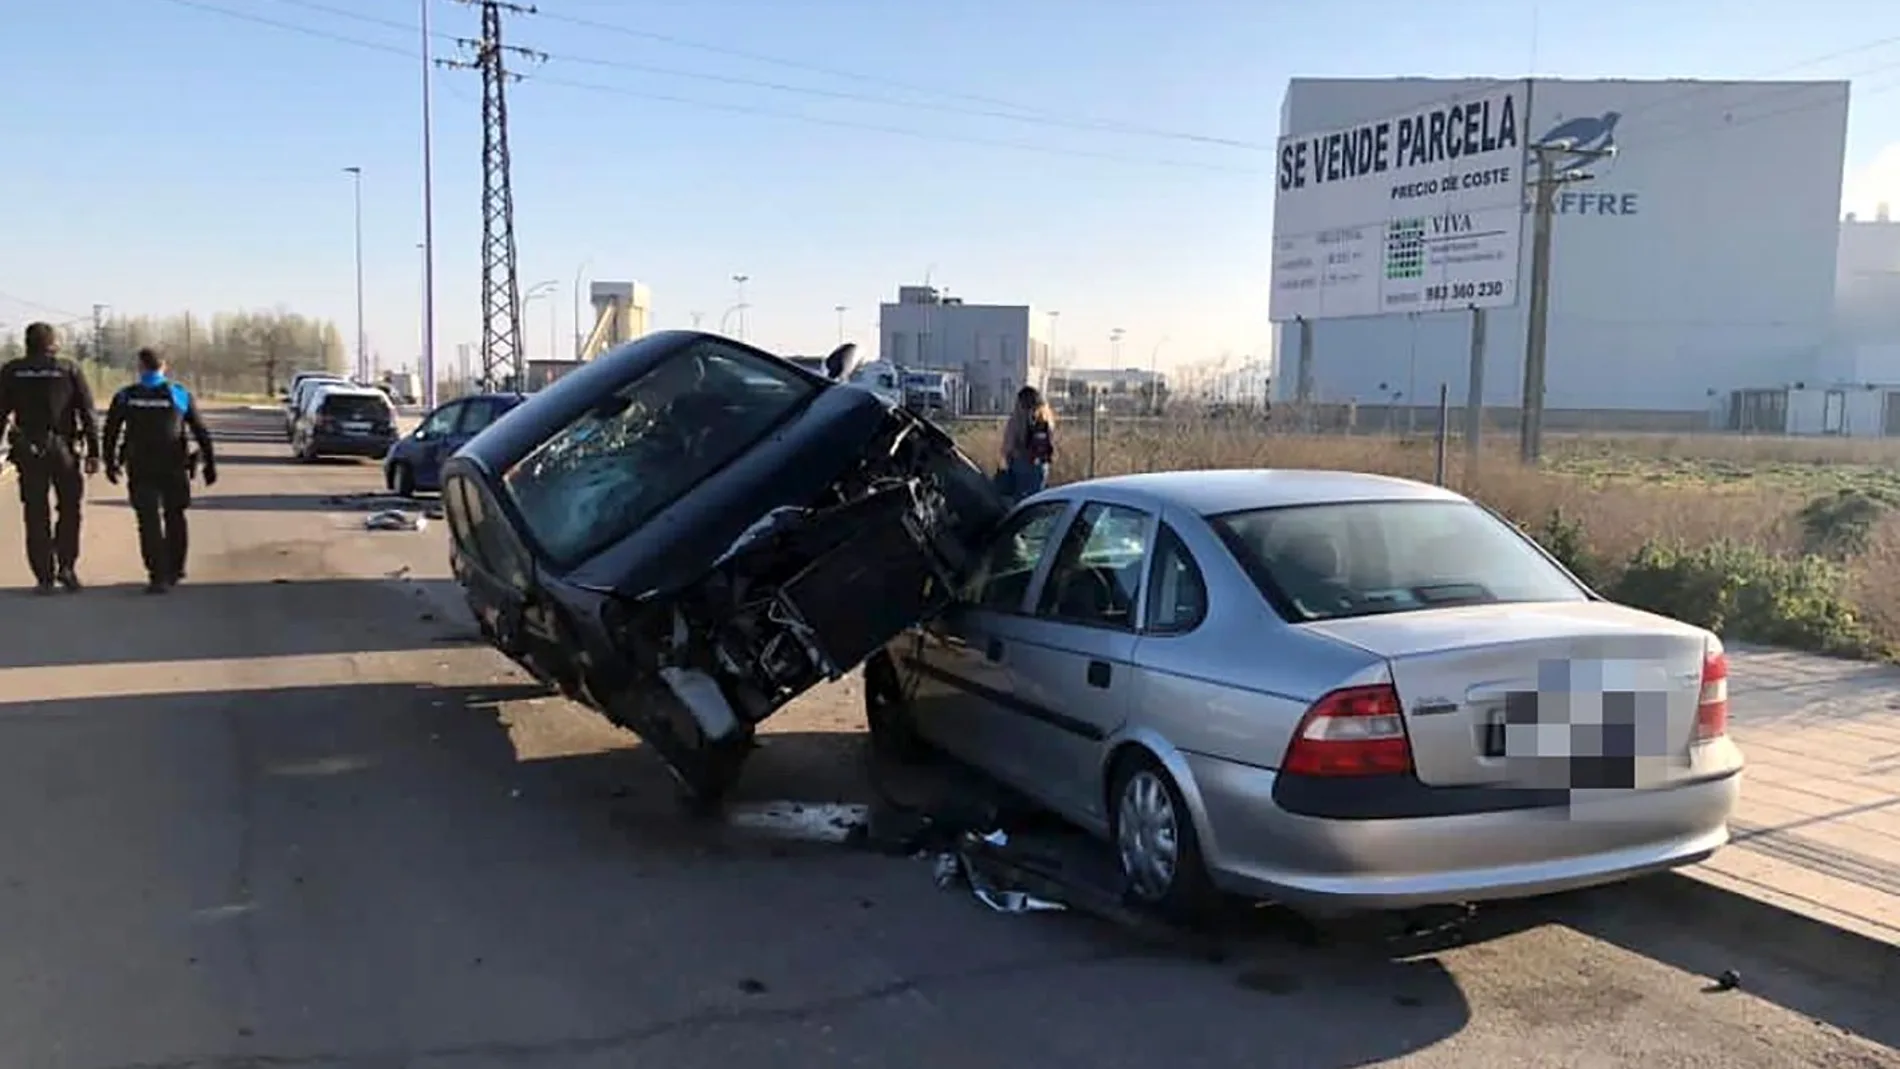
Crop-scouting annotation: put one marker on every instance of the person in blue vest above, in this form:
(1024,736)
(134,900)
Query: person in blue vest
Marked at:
(155,414)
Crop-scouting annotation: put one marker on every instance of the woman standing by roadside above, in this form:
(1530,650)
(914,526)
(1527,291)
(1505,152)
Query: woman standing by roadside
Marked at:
(1029,444)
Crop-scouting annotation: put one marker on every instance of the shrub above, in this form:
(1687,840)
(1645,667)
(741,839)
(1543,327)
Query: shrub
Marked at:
(1741,592)
(1841,525)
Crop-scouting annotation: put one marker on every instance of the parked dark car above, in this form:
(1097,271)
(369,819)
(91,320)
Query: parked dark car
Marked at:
(415,462)
(688,533)
(343,420)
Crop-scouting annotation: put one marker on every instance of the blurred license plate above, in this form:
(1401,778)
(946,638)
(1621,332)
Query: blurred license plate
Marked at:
(356,428)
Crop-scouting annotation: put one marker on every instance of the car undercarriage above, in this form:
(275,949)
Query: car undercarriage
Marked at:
(802,597)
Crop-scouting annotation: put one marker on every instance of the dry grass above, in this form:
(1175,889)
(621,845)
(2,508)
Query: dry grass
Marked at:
(1625,490)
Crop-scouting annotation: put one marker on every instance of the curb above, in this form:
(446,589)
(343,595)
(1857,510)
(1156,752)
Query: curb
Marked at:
(1786,935)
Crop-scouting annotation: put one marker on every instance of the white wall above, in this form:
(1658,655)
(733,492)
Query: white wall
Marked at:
(990,346)
(1703,258)
(1867,304)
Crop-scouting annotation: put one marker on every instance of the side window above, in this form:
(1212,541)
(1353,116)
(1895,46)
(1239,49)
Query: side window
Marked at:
(442,420)
(1097,573)
(499,551)
(460,514)
(1002,578)
(475,416)
(1177,593)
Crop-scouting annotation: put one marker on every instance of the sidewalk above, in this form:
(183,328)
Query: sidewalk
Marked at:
(1818,830)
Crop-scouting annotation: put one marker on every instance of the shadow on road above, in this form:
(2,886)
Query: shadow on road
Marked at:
(422,890)
(120,623)
(348,502)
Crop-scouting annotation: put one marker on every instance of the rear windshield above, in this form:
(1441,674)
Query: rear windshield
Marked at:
(352,406)
(1326,562)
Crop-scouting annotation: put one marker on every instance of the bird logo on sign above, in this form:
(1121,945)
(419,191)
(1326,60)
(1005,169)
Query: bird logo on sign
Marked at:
(1587,134)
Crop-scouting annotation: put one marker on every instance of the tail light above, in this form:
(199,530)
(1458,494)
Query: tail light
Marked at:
(1354,731)
(326,423)
(1711,707)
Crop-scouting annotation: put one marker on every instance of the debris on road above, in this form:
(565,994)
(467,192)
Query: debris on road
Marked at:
(985,882)
(813,822)
(1730,980)
(395,520)
(382,502)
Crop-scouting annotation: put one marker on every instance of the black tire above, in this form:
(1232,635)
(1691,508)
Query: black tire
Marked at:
(887,714)
(1188,895)
(402,479)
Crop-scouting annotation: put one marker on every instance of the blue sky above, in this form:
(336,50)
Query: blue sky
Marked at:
(165,156)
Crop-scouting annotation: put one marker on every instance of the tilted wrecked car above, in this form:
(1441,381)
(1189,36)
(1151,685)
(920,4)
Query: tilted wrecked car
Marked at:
(688,533)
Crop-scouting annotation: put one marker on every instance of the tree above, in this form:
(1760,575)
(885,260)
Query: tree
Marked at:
(231,353)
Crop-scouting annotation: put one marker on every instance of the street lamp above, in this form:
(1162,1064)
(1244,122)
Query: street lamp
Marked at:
(739,281)
(362,345)
(546,289)
(841,310)
(727,317)
(1115,347)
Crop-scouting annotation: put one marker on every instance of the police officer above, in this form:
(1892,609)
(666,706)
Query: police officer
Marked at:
(155,413)
(50,405)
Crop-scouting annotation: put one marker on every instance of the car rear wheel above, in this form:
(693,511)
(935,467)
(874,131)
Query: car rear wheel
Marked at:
(887,713)
(402,479)
(1155,843)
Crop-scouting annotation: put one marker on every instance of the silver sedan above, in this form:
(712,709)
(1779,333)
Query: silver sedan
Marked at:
(1334,690)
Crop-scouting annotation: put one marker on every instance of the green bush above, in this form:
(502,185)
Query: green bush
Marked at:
(1567,539)
(1742,592)
(1841,525)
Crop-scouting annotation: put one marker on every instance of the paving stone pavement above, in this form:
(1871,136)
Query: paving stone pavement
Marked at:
(1818,830)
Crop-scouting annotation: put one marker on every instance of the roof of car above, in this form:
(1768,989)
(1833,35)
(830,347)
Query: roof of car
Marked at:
(350,389)
(1209,493)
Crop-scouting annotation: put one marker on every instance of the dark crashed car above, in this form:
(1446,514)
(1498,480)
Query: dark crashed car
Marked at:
(688,533)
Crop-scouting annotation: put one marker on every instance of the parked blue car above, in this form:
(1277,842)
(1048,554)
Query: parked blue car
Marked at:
(414,463)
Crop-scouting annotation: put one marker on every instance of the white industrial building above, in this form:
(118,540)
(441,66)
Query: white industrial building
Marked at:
(993,349)
(1699,261)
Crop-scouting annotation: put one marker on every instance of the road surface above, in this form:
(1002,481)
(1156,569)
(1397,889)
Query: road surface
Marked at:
(290,815)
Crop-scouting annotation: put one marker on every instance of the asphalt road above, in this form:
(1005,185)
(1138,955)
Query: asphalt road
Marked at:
(290,815)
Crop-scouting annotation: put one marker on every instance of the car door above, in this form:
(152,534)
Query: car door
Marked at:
(431,442)
(1072,664)
(958,665)
(498,572)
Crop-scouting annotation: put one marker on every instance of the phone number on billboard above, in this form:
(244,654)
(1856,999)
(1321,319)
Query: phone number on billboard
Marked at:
(1463,291)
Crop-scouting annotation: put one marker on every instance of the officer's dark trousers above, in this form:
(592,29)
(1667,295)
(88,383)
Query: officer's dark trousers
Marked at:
(160,498)
(50,473)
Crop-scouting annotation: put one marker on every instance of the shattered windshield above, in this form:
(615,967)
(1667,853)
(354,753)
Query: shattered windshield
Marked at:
(641,448)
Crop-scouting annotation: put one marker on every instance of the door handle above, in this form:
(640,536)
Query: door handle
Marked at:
(994,650)
(1099,674)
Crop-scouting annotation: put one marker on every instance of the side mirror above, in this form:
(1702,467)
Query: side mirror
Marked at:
(842,362)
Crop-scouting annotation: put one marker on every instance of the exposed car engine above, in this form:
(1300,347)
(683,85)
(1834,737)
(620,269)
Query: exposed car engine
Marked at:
(803,597)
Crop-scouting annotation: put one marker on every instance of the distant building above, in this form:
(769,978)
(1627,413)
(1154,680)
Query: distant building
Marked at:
(1119,390)
(993,349)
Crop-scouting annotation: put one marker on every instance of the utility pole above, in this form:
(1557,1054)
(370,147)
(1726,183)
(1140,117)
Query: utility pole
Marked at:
(841,310)
(502,352)
(1551,174)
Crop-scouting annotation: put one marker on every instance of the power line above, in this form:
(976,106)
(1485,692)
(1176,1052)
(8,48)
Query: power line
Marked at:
(1006,113)
(712,105)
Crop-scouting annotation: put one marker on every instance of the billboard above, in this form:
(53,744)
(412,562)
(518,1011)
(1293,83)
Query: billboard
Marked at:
(1420,211)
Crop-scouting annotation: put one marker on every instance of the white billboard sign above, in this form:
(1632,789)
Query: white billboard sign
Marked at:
(1416,212)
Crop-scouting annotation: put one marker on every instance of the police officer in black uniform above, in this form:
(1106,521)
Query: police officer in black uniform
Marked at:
(50,405)
(155,413)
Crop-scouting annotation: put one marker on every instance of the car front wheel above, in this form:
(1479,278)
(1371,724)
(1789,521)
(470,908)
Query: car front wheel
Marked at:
(887,712)
(402,479)
(1155,843)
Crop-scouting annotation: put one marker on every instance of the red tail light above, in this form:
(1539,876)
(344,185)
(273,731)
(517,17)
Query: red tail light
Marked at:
(1355,731)
(1711,709)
